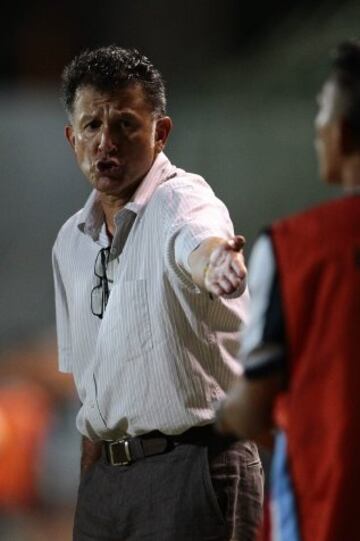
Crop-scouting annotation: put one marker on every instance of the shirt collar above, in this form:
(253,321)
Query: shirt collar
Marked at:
(161,170)
(91,217)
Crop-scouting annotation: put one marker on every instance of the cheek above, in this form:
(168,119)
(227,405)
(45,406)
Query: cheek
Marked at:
(83,155)
(328,159)
(144,147)
(85,165)
(320,149)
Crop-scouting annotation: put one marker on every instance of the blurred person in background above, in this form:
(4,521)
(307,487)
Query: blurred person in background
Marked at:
(37,489)
(25,411)
(301,346)
(150,296)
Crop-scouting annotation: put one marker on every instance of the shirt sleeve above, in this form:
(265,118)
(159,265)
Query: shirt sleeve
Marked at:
(202,215)
(62,319)
(263,346)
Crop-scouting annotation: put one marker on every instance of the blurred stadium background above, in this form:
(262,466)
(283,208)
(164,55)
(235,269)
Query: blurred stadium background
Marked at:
(242,81)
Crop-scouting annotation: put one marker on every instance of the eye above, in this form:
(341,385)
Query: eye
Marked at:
(126,123)
(92,125)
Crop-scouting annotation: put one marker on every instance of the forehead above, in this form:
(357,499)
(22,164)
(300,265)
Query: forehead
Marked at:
(131,97)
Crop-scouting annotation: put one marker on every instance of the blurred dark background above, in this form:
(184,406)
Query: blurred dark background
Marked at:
(242,80)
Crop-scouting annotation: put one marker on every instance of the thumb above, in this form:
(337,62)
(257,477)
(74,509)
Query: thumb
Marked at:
(237,243)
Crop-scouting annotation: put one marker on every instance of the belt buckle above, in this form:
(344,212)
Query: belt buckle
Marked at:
(122,448)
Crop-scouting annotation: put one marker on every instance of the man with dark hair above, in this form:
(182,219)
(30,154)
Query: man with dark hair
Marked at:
(150,287)
(301,346)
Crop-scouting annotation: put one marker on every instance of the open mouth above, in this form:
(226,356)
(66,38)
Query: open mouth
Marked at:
(108,167)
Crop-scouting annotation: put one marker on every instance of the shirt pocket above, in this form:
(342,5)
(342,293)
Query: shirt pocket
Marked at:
(128,320)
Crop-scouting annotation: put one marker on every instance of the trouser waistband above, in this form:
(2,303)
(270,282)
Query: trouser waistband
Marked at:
(130,449)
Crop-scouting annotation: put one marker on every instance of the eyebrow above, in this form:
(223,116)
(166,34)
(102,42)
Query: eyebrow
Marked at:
(125,113)
(86,116)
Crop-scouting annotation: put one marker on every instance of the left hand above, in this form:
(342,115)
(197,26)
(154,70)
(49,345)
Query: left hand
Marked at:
(222,425)
(226,271)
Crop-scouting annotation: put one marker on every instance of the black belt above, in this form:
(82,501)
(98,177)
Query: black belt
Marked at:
(130,449)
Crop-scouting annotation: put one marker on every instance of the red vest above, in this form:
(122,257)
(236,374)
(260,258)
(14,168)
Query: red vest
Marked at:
(318,257)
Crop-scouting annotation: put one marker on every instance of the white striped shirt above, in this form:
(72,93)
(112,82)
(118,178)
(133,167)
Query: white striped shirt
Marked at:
(164,350)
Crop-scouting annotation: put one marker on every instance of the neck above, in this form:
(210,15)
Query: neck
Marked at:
(351,174)
(111,206)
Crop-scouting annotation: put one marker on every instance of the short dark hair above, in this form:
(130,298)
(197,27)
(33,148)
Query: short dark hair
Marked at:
(109,68)
(346,74)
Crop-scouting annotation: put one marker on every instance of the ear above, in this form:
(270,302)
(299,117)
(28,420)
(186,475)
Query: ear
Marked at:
(163,128)
(70,136)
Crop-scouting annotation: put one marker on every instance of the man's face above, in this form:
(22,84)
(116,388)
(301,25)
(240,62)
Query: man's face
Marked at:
(115,138)
(328,135)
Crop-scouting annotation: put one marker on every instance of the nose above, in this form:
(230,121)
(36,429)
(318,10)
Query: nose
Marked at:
(107,142)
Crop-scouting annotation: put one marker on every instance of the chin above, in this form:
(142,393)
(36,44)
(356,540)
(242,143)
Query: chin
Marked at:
(334,182)
(107,185)
(333,178)
(330,176)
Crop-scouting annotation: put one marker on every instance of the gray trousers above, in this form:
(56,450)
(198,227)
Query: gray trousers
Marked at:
(192,493)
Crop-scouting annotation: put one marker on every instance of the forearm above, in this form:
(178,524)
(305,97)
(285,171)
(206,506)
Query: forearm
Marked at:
(90,453)
(199,259)
(248,409)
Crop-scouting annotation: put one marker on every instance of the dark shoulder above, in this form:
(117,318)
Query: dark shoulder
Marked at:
(325,216)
